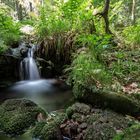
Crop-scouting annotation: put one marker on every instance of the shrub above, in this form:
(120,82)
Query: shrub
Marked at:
(9,32)
(87,69)
(132,35)
(87,73)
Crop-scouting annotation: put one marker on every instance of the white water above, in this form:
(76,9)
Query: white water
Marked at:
(28,67)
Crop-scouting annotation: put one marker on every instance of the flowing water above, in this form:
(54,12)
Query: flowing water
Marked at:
(28,67)
(50,94)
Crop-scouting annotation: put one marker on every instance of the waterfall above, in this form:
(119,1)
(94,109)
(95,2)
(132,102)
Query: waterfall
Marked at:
(28,66)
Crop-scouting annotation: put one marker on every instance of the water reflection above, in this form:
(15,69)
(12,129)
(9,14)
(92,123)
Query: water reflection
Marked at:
(51,94)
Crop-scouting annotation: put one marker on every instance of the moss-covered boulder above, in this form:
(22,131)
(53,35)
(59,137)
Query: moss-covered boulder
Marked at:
(16,115)
(97,124)
(132,133)
(50,129)
(105,124)
(78,108)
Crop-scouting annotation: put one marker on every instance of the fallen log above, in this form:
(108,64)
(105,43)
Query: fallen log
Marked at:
(115,101)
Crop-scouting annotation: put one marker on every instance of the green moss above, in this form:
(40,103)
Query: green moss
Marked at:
(118,137)
(111,100)
(92,118)
(60,118)
(132,133)
(78,117)
(78,108)
(50,130)
(100,131)
(69,112)
(38,128)
(17,115)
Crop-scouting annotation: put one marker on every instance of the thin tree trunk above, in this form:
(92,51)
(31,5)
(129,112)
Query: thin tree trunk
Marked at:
(19,10)
(92,27)
(104,15)
(133,18)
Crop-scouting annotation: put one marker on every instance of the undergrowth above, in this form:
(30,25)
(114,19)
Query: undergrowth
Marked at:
(9,32)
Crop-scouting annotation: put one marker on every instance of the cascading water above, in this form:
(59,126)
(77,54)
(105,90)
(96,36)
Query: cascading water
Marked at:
(45,92)
(28,67)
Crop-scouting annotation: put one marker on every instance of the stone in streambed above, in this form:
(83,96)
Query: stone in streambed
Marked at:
(50,129)
(78,108)
(17,115)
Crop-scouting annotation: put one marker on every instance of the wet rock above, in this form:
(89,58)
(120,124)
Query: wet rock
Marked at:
(79,130)
(79,137)
(99,131)
(104,124)
(50,129)
(78,117)
(83,125)
(78,108)
(92,118)
(23,52)
(8,72)
(71,129)
(97,124)
(17,115)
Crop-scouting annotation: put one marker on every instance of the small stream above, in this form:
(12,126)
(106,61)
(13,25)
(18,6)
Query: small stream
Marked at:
(50,94)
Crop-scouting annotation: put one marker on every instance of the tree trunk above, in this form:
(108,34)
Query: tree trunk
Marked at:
(133,18)
(92,27)
(105,16)
(19,10)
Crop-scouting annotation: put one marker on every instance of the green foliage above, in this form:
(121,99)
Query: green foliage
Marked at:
(3,47)
(51,22)
(9,32)
(87,73)
(123,64)
(71,9)
(132,35)
(96,43)
(132,133)
(88,70)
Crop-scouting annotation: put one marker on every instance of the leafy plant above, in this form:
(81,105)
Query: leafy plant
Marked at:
(96,43)
(87,73)
(132,35)
(9,32)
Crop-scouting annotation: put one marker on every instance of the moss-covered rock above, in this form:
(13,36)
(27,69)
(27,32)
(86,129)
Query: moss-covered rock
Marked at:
(16,115)
(100,124)
(78,117)
(104,124)
(50,130)
(115,101)
(132,133)
(99,131)
(78,108)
